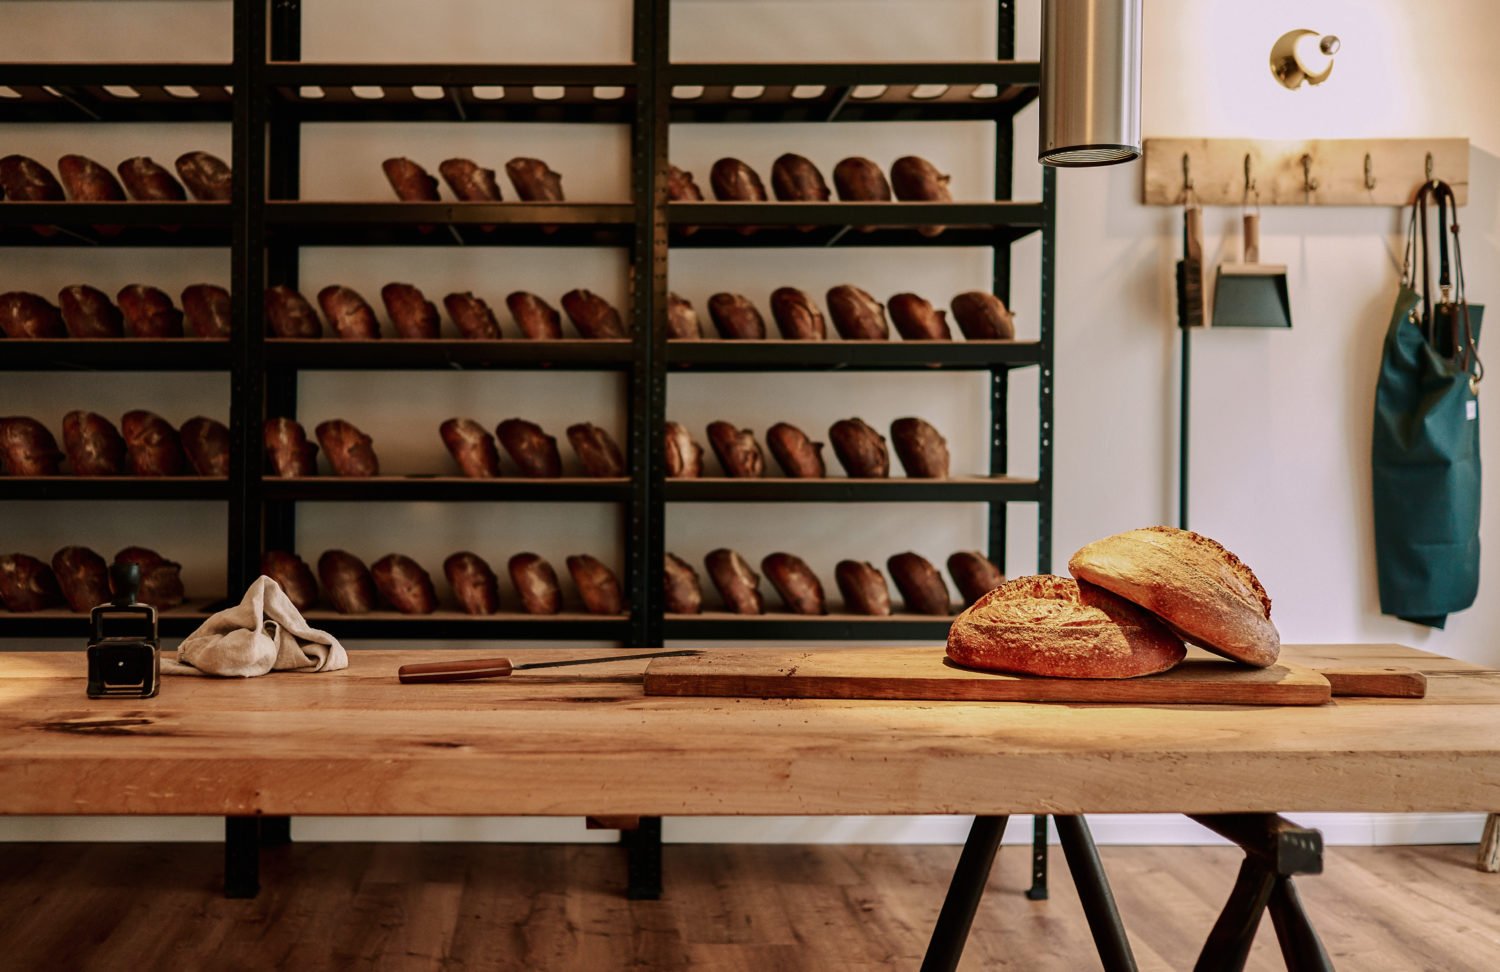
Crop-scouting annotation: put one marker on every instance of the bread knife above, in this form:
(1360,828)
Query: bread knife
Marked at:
(469,669)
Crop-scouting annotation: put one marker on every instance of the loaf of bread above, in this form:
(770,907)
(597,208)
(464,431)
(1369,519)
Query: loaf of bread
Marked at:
(350,452)
(83,576)
(736,318)
(404,584)
(1059,628)
(347,582)
(796,179)
(413,316)
(207,176)
(975,574)
(472,316)
(161,579)
(684,592)
(530,448)
(597,585)
(27,180)
(797,317)
(27,448)
(26,315)
(856,315)
(534,316)
(148,313)
(207,311)
(288,452)
(921,448)
(797,455)
(289,315)
(917,180)
(536,583)
(918,320)
(88,313)
(737,450)
(474,584)
(734,181)
(1200,590)
(860,180)
(469,181)
(684,456)
(738,584)
(294,577)
(921,586)
(982,316)
(88,181)
(534,181)
(600,456)
(799,587)
(410,180)
(348,315)
(93,445)
(148,182)
(863,588)
(206,442)
(681,187)
(860,449)
(472,447)
(593,316)
(152,447)
(27,584)
(682,320)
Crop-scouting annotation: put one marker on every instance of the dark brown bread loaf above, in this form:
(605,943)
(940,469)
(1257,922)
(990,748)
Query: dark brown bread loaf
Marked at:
(472,447)
(681,187)
(88,181)
(737,450)
(600,456)
(469,181)
(532,449)
(983,316)
(404,585)
(161,579)
(472,316)
(536,582)
(475,586)
(857,315)
(736,318)
(734,181)
(27,180)
(797,317)
(148,312)
(289,315)
(684,456)
(206,443)
(917,180)
(148,182)
(684,591)
(410,180)
(922,588)
(348,314)
(294,577)
(593,316)
(863,588)
(535,317)
(796,179)
(412,315)
(83,576)
(207,311)
(799,587)
(682,320)
(152,447)
(597,585)
(347,582)
(921,448)
(918,320)
(975,574)
(207,176)
(93,445)
(738,584)
(88,313)
(27,584)
(798,456)
(534,181)
(860,449)
(27,448)
(25,315)
(288,452)
(860,180)
(350,452)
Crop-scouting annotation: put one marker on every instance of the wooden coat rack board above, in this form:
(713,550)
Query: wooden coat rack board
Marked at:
(1318,172)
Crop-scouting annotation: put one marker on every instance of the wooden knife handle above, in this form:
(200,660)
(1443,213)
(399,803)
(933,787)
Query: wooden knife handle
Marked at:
(455,671)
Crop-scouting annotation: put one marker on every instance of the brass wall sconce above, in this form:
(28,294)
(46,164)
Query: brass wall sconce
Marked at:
(1303,56)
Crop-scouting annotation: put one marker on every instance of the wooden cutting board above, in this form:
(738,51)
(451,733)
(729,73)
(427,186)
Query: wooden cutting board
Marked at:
(924,673)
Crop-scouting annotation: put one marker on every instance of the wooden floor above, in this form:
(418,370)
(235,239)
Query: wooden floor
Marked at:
(471,907)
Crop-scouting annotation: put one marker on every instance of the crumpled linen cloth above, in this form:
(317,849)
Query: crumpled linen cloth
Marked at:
(263,633)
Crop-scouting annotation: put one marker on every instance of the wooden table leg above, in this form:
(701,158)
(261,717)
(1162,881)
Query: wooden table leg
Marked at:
(1489,845)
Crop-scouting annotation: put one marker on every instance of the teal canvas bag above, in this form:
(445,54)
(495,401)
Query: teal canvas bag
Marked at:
(1425,452)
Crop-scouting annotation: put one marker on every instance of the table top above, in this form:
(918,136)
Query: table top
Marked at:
(586,740)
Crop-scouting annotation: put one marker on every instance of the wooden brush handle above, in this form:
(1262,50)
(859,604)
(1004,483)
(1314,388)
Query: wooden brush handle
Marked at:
(455,671)
(1252,237)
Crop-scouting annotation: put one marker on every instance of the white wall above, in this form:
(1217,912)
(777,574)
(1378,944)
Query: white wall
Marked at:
(1281,420)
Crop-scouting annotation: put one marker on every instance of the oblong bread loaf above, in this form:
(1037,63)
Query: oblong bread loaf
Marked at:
(1059,628)
(1202,591)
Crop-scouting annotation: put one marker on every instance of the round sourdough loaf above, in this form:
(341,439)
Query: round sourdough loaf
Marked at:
(1060,628)
(1202,591)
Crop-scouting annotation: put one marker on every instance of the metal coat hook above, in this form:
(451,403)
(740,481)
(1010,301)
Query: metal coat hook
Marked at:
(1187,178)
(1428,175)
(1309,184)
(1251,187)
(1369,174)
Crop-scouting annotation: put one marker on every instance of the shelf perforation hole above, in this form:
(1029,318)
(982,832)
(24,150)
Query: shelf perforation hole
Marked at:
(609,92)
(122,91)
(488,92)
(747,92)
(985,92)
(368,92)
(926,92)
(548,92)
(180,91)
(427,92)
(866,92)
(8,92)
(805,91)
(311,92)
(687,92)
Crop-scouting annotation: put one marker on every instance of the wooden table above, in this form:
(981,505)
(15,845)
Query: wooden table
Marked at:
(586,741)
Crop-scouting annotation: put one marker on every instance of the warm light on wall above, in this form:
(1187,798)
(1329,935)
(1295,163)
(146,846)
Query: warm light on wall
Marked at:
(1303,56)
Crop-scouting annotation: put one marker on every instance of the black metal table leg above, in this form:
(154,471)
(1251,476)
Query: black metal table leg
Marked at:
(951,933)
(275,831)
(1300,945)
(1093,891)
(643,860)
(1228,944)
(241,857)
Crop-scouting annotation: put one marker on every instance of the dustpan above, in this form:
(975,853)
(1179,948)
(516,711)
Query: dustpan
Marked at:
(1251,294)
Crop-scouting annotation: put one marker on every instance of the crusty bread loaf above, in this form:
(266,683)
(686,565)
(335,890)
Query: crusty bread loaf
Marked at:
(1202,591)
(1060,628)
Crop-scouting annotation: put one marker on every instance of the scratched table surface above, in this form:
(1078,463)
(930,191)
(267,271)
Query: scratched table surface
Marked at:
(588,741)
